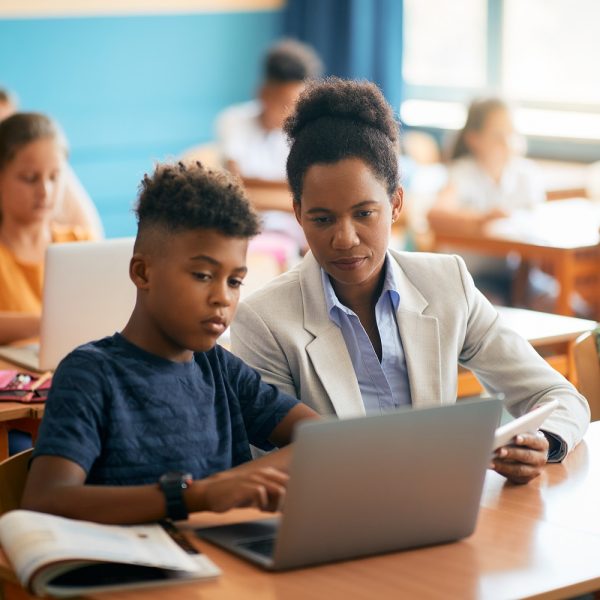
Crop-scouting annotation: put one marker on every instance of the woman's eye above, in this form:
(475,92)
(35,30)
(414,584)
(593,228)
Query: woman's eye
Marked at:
(235,283)
(28,178)
(365,213)
(321,220)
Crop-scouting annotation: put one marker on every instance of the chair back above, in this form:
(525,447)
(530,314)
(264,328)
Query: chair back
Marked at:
(13,473)
(587,367)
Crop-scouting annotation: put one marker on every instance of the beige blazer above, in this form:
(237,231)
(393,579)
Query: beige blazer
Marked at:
(283,330)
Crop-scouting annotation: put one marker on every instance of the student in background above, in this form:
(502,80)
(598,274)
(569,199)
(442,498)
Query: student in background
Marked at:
(75,207)
(33,155)
(250,136)
(157,420)
(357,328)
(487,179)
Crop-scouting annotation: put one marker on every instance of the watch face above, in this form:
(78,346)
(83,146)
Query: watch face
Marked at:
(175,477)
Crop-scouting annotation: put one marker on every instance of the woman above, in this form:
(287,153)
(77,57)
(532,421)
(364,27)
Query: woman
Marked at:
(356,328)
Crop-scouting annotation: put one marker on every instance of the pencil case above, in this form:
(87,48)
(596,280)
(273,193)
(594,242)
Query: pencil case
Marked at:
(16,386)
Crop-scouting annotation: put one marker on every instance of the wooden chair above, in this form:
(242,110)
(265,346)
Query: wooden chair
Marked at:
(13,473)
(587,367)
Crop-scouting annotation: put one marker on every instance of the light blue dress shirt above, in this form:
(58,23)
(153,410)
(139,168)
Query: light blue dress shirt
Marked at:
(383,385)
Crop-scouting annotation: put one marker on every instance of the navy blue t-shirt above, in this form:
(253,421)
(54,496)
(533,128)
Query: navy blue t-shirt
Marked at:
(127,416)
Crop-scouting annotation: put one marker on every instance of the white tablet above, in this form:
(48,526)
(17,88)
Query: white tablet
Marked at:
(528,422)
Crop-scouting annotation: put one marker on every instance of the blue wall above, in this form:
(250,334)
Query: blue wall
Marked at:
(132,90)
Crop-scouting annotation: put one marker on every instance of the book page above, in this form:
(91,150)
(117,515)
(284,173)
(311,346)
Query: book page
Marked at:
(33,539)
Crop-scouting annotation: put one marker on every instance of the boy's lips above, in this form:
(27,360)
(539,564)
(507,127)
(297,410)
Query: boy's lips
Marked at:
(215,325)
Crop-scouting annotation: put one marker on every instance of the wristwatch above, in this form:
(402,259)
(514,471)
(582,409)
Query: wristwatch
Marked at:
(172,485)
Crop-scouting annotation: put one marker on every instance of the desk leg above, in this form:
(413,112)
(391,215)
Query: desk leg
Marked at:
(565,274)
(3,441)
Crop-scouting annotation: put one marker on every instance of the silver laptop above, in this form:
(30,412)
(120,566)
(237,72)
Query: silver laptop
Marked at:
(374,484)
(87,295)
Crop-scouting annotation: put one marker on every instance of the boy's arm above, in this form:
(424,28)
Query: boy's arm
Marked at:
(57,485)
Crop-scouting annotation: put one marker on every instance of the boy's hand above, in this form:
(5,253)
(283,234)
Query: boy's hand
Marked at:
(524,459)
(263,488)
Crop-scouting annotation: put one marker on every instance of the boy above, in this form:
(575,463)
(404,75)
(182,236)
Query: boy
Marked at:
(149,422)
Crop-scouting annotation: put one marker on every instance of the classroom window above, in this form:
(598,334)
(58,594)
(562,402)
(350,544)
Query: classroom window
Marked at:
(558,46)
(445,42)
(539,54)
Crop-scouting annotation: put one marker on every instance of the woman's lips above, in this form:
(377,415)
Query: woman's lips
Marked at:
(349,264)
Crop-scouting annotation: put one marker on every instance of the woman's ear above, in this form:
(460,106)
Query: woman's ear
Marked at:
(298,212)
(138,271)
(397,202)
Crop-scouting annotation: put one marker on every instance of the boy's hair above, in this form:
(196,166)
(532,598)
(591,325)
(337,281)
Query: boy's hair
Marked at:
(184,197)
(478,112)
(290,60)
(20,129)
(337,119)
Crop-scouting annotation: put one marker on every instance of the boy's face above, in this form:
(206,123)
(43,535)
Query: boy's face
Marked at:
(192,290)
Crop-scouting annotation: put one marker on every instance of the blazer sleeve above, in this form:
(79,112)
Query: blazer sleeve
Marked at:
(255,344)
(506,363)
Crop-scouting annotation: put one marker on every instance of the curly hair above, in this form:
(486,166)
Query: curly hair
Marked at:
(336,119)
(290,60)
(22,128)
(183,197)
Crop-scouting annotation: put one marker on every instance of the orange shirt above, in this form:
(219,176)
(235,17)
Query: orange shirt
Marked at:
(21,283)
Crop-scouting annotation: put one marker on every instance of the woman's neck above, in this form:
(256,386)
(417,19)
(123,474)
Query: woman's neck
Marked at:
(360,298)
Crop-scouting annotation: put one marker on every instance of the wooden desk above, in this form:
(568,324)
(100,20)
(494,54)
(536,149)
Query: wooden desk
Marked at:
(551,335)
(563,234)
(541,540)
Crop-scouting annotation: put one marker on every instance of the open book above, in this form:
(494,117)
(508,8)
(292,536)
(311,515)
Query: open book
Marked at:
(63,557)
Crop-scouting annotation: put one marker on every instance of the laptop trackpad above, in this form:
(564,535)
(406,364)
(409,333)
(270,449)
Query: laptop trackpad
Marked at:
(253,537)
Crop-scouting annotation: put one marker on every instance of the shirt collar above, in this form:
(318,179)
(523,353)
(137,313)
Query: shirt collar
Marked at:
(390,285)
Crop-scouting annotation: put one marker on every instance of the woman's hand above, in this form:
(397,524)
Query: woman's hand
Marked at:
(523,460)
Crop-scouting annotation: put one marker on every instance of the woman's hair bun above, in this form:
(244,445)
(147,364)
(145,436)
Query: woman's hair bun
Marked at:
(358,101)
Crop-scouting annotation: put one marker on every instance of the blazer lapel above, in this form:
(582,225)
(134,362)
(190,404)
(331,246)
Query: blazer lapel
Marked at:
(328,353)
(420,340)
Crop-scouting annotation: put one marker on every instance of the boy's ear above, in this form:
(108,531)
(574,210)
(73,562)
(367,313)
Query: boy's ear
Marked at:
(138,270)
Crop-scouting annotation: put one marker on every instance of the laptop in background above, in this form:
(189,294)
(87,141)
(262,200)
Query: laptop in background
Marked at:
(87,295)
(374,484)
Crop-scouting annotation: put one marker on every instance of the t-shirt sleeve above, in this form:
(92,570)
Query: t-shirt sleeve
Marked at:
(262,405)
(72,424)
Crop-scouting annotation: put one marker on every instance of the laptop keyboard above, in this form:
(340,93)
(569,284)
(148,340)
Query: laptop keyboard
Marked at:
(263,546)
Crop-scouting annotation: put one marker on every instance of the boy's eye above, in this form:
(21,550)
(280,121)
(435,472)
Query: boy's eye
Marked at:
(235,282)
(201,276)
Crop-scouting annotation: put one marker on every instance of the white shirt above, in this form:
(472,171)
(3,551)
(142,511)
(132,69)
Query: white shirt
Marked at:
(258,153)
(520,185)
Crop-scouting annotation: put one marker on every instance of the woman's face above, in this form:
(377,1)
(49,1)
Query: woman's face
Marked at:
(31,184)
(346,215)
